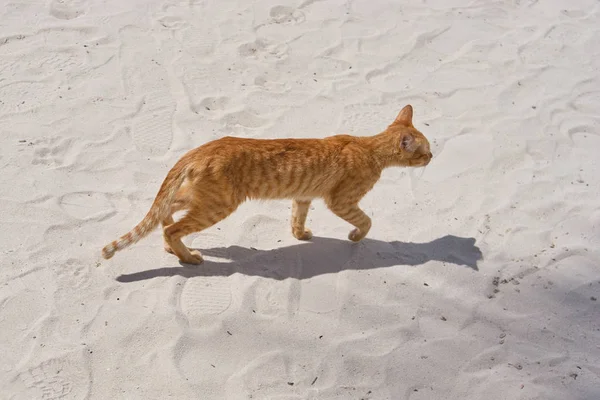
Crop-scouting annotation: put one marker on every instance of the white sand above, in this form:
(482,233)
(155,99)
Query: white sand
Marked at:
(99,98)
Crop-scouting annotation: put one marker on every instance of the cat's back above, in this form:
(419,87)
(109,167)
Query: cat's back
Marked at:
(230,149)
(270,168)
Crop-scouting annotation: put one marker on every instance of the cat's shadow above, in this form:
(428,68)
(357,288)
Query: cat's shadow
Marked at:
(320,256)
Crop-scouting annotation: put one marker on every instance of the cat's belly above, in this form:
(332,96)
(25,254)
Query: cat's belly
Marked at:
(259,195)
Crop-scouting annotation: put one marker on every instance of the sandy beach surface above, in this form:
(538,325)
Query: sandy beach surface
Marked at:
(480,279)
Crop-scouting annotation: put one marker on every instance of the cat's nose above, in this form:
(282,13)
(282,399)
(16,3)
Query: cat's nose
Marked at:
(429,157)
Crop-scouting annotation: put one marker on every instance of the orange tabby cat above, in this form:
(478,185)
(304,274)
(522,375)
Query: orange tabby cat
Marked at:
(211,181)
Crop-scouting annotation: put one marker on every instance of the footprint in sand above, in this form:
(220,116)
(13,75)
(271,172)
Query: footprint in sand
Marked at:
(52,151)
(152,128)
(198,40)
(245,118)
(209,293)
(74,274)
(56,379)
(67,9)
(263,50)
(274,298)
(145,77)
(286,15)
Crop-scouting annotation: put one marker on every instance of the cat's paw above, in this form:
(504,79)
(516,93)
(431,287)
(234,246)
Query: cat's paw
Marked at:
(356,235)
(306,235)
(195,258)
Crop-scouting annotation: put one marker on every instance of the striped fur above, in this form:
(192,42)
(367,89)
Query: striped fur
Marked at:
(211,181)
(161,208)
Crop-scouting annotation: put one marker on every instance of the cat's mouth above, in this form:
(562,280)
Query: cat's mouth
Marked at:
(429,157)
(423,160)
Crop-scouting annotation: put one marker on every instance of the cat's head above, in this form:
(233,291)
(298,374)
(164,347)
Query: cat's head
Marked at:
(411,146)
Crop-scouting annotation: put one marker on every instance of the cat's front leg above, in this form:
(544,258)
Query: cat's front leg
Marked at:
(354,215)
(299,213)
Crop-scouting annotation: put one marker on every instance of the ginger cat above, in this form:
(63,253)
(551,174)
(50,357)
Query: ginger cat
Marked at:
(211,181)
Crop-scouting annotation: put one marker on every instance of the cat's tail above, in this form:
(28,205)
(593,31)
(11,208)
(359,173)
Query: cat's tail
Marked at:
(161,207)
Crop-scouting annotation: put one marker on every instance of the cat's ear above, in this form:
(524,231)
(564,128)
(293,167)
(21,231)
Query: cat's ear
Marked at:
(405,116)
(408,142)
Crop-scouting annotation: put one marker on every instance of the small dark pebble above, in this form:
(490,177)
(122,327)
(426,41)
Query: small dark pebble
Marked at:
(321,337)
(426,124)
(230,334)
(291,383)
(314,380)
(593,298)
(443,318)
(212,365)
(425,284)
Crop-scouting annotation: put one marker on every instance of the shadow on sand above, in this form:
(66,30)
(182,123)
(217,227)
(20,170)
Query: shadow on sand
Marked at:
(321,256)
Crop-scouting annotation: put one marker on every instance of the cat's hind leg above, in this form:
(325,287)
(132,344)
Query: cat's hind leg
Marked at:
(197,219)
(179,204)
(351,212)
(166,222)
(299,213)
